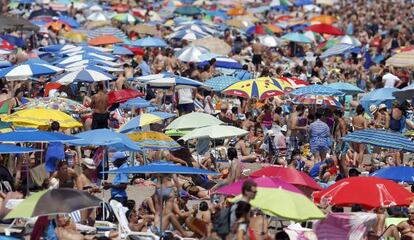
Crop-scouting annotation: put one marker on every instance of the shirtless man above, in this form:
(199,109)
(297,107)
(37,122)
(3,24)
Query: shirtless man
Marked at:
(293,128)
(406,228)
(340,130)
(257,49)
(119,83)
(100,106)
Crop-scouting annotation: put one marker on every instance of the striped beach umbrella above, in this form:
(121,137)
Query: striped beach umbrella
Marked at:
(317,100)
(86,75)
(261,88)
(28,69)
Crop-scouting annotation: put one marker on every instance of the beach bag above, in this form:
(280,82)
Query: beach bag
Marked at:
(221,222)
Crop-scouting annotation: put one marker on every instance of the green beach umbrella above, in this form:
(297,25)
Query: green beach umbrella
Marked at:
(52,202)
(285,204)
(296,37)
(188,10)
(194,120)
(125,18)
(215,132)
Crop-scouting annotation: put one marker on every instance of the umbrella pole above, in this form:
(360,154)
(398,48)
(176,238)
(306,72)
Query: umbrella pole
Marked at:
(161,207)
(105,160)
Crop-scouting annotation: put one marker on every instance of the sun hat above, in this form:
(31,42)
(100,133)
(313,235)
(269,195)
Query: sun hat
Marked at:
(89,163)
(373,109)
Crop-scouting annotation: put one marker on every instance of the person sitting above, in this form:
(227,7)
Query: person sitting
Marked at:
(133,221)
(67,176)
(406,228)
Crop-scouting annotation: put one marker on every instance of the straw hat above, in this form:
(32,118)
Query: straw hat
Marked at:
(382,106)
(373,109)
(89,163)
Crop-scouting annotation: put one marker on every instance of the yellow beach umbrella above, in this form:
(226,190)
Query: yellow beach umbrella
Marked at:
(76,37)
(403,59)
(41,118)
(290,205)
(261,88)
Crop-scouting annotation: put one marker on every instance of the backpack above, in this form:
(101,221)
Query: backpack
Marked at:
(221,221)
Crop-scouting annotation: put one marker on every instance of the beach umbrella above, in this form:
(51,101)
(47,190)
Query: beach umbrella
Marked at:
(154,141)
(317,90)
(349,40)
(145,119)
(405,93)
(223,62)
(215,132)
(195,27)
(347,88)
(98,68)
(381,138)
(219,83)
(120,96)
(97,16)
(12,40)
(324,19)
(317,100)
(324,28)
(403,59)
(296,37)
(295,206)
(289,175)
(168,79)
(104,40)
(293,81)
(125,18)
(62,104)
(378,96)
(42,13)
(238,23)
(93,62)
(105,31)
(34,135)
(234,189)
(9,148)
(215,45)
(41,118)
(194,120)
(53,202)
(338,49)
(176,133)
(188,35)
(75,36)
(28,69)
(135,103)
(269,41)
(57,26)
(261,88)
(188,10)
(87,49)
(119,50)
(369,192)
(105,138)
(69,21)
(57,47)
(396,173)
(236,11)
(85,56)
(85,75)
(150,42)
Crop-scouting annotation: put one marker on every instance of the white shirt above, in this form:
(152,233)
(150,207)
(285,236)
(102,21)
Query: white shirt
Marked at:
(185,96)
(389,80)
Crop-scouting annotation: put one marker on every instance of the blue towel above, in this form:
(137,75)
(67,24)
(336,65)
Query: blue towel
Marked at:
(55,153)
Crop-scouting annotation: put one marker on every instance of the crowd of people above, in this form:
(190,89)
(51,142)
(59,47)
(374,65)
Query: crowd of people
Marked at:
(281,131)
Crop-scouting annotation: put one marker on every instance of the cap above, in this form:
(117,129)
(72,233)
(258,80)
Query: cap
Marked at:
(382,106)
(119,155)
(82,89)
(89,163)
(283,128)
(373,109)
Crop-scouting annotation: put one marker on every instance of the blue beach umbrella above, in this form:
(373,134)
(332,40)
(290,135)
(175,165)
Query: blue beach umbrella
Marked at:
(346,88)
(57,47)
(381,138)
(317,90)
(405,93)
(84,56)
(337,49)
(105,138)
(220,83)
(163,167)
(150,42)
(135,122)
(296,37)
(85,75)
(106,31)
(29,69)
(135,103)
(13,40)
(397,173)
(378,96)
(119,50)
(69,20)
(167,79)
(8,148)
(34,135)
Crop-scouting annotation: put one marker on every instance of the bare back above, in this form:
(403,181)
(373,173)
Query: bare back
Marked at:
(99,102)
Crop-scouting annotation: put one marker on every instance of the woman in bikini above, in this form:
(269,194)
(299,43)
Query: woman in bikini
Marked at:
(359,123)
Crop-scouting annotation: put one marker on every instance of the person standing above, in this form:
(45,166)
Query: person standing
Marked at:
(120,182)
(320,141)
(99,105)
